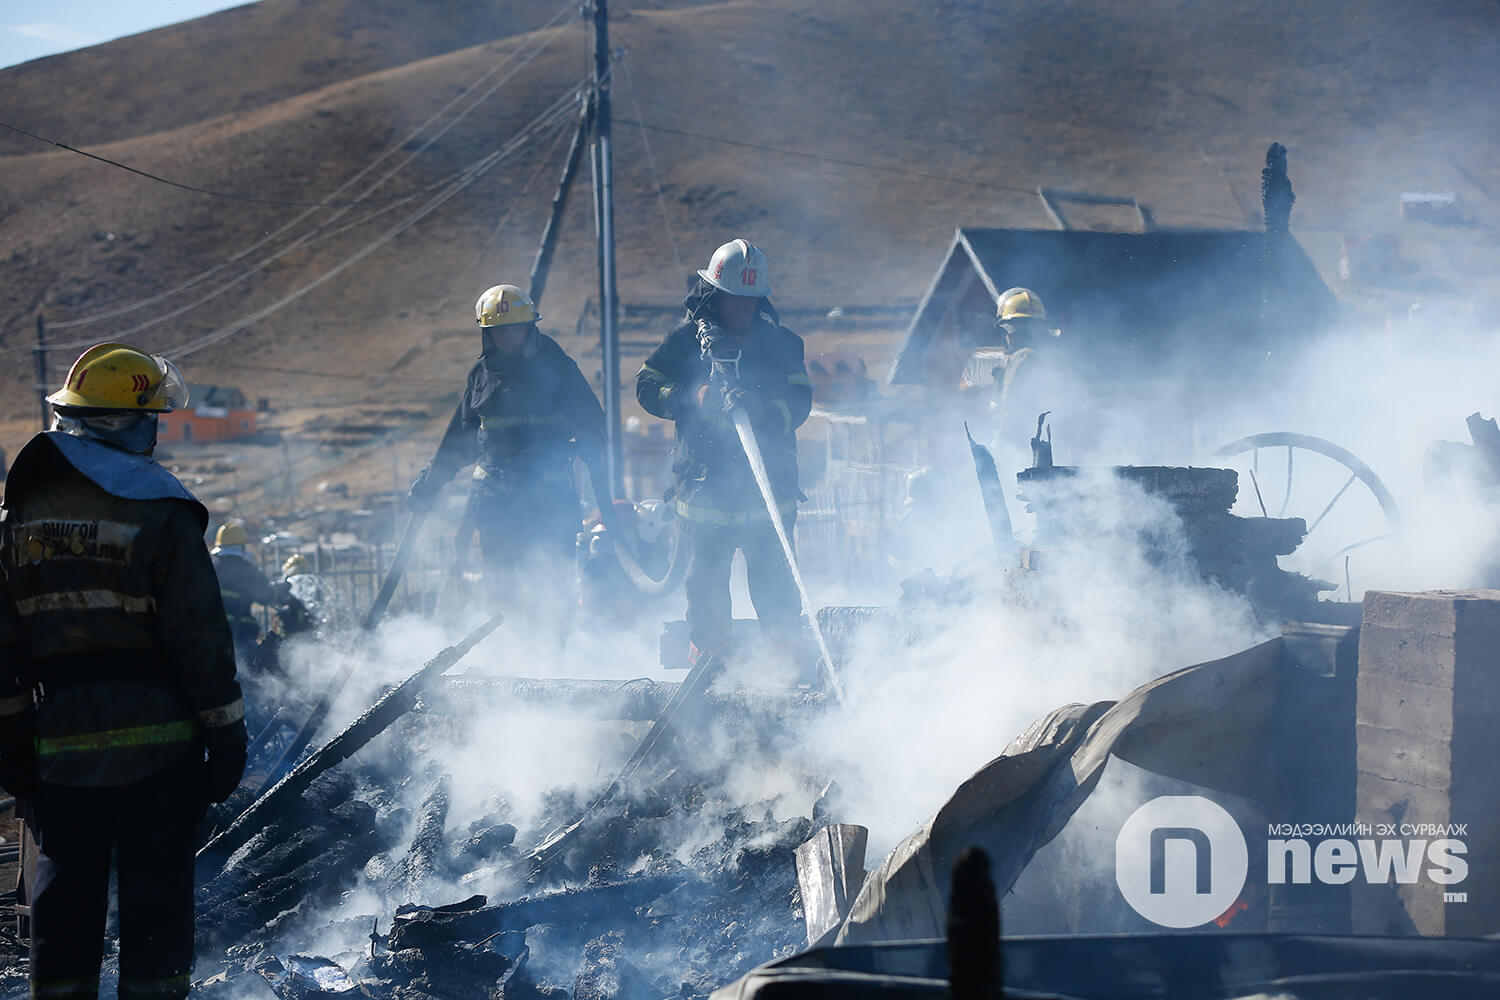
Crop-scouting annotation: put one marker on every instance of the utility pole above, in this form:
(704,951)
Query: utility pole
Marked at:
(543,262)
(41,370)
(604,218)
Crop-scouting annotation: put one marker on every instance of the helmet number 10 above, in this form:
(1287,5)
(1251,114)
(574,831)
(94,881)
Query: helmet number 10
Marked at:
(747,277)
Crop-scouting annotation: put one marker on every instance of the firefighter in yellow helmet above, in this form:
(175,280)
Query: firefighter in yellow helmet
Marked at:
(120,715)
(526,413)
(241,585)
(304,603)
(1021,320)
(1021,317)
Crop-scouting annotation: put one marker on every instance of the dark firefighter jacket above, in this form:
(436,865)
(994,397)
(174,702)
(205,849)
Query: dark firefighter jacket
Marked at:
(241,584)
(522,419)
(713,481)
(112,614)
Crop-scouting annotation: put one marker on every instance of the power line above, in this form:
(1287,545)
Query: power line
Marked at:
(494,232)
(661,199)
(254,199)
(559,112)
(532,134)
(473,261)
(306,240)
(391,150)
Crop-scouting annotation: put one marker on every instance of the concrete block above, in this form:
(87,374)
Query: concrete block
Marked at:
(1393,702)
(1435,612)
(1398,909)
(1427,705)
(1402,756)
(1385,800)
(1390,651)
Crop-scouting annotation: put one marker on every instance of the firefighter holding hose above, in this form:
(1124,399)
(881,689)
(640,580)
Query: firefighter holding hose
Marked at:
(731,352)
(120,716)
(526,413)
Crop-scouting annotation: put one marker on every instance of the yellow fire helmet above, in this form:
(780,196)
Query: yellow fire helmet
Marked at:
(504,305)
(1019,303)
(230,533)
(120,377)
(295,564)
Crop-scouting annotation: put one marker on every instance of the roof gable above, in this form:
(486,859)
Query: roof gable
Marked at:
(1196,294)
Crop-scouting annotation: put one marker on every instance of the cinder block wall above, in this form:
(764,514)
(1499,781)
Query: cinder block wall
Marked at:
(1427,735)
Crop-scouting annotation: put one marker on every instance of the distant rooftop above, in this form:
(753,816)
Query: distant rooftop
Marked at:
(219,397)
(1119,297)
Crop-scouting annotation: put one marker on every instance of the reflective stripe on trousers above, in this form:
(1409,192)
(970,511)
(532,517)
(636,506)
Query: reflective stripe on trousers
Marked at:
(733,519)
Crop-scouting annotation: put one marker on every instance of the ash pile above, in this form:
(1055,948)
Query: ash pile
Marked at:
(387,878)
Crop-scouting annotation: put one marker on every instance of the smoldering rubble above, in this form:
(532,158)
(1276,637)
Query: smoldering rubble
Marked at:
(675,888)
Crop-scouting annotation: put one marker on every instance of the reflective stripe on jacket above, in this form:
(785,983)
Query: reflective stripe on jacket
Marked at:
(116,613)
(241,585)
(523,417)
(712,477)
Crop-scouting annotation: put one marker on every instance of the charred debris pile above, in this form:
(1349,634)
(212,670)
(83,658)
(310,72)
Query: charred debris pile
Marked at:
(1177,519)
(1238,554)
(673,890)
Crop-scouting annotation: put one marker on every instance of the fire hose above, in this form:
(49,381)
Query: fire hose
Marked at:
(643,581)
(763,480)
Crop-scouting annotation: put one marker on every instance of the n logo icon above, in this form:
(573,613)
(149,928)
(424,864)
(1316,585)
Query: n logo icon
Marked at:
(1181,860)
(1203,853)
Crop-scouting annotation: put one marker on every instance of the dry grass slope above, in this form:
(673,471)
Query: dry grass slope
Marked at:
(849,138)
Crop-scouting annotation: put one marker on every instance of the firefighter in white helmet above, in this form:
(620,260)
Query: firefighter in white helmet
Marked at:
(731,351)
(526,413)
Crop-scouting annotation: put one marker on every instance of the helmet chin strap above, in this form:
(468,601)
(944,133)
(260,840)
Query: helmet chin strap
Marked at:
(133,432)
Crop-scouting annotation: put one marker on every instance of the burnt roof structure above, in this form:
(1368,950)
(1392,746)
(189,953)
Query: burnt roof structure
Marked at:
(1122,300)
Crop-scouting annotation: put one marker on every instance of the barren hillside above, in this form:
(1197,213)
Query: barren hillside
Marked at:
(848,138)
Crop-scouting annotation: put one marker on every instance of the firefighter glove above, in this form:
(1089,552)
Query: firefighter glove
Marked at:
(424,491)
(743,399)
(18,766)
(225,763)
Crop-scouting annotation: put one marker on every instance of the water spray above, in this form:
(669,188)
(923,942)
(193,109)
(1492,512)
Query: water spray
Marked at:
(758,466)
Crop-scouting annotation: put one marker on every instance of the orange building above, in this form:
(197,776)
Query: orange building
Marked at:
(213,413)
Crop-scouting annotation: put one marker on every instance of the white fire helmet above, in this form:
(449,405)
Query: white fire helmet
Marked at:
(739,268)
(652,518)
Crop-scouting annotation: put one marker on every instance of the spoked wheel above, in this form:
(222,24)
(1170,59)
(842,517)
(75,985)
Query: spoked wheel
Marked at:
(1311,478)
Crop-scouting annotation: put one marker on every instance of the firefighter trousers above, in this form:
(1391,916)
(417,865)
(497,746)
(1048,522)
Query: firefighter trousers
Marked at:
(772,589)
(150,826)
(529,544)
